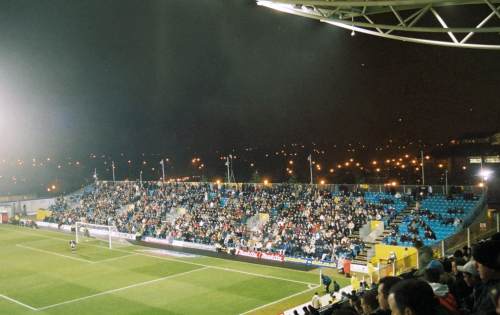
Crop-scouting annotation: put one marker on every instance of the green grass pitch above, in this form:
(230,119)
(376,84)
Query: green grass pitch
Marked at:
(40,275)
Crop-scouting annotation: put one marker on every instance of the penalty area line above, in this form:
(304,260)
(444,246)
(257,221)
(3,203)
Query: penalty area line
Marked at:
(114,258)
(55,254)
(17,302)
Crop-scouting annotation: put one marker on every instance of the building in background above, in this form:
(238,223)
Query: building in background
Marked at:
(465,157)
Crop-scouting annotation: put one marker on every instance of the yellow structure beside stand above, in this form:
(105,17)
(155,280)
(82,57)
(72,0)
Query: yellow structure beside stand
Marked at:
(41,214)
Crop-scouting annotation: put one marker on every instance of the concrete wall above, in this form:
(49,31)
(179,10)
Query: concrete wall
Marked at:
(31,206)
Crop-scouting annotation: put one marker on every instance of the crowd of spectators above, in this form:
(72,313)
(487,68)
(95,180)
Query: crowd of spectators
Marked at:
(468,283)
(295,220)
(419,220)
(60,204)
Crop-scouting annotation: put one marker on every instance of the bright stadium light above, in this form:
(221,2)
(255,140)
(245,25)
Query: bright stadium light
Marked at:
(485,174)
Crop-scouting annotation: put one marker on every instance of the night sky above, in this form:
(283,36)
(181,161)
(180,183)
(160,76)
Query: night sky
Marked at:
(199,76)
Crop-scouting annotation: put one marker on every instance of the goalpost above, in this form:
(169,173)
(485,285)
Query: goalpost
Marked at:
(88,231)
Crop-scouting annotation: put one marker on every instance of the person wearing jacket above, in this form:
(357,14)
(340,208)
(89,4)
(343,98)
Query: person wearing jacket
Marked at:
(473,281)
(336,286)
(487,257)
(441,291)
(326,282)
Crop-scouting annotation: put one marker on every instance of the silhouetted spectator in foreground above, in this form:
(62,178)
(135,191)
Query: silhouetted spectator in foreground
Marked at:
(413,297)
(384,286)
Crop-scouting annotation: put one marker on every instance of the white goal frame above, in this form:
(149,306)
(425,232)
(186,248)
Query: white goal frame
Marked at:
(107,228)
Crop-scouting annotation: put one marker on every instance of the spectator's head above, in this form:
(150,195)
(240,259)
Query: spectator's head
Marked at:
(412,297)
(470,273)
(487,257)
(458,254)
(447,265)
(419,244)
(467,251)
(432,275)
(435,264)
(384,286)
(369,302)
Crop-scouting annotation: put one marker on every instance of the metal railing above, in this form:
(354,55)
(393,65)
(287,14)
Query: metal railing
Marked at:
(484,225)
(400,266)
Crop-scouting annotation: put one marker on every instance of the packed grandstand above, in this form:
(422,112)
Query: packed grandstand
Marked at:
(293,220)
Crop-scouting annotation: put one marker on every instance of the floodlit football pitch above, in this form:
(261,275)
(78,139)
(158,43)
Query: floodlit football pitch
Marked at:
(40,275)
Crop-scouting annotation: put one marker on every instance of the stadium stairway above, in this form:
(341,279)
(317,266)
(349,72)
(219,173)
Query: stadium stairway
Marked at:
(398,220)
(362,258)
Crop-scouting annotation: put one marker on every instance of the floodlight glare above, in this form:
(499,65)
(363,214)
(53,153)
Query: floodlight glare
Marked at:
(485,173)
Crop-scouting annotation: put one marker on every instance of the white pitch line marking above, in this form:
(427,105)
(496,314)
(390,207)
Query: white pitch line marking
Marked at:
(55,254)
(114,258)
(280,300)
(260,275)
(120,289)
(192,263)
(17,302)
(227,269)
(37,234)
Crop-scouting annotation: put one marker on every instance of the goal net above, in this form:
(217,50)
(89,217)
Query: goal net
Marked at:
(86,232)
